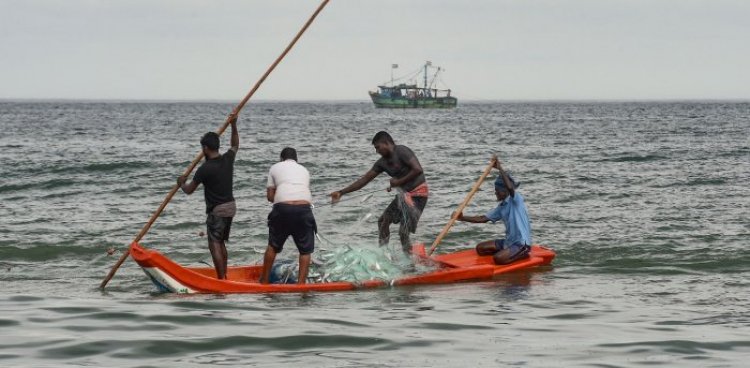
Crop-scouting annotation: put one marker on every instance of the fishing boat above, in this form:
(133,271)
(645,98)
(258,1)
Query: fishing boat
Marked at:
(405,95)
(460,266)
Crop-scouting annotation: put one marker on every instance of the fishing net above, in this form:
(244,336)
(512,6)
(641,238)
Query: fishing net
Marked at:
(356,264)
(403,212)
(352,264)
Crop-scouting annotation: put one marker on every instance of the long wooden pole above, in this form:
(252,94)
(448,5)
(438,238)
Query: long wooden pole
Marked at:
(221,130)
(461,207)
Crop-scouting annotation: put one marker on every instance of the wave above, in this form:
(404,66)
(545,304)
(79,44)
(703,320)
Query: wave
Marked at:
(703,181)
(664,259)
(634,158)
(15,187)
(116,166)
(140,349)
(69,169)
(46,184)
(47,252)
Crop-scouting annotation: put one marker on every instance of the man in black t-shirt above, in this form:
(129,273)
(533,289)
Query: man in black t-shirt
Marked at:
(400,163)
(216,175)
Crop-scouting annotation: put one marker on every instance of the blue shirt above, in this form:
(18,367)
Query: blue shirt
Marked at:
(512,211)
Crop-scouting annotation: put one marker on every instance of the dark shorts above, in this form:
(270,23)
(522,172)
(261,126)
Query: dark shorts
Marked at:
(297,221)
(517,251)
(217,227)
(408,215)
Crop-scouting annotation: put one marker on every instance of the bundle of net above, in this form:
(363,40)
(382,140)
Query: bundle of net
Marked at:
(357,264)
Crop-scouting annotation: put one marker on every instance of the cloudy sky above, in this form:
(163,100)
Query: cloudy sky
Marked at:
(490,49)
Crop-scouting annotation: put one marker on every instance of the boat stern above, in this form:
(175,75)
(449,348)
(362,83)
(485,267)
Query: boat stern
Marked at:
(164,281)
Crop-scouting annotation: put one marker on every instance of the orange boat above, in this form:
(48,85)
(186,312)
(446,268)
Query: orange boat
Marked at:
(464,265)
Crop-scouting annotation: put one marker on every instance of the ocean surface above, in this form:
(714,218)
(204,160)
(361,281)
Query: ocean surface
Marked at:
(646,204)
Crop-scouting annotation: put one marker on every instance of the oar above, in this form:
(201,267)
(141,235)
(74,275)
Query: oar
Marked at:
(221,130)
(461,207)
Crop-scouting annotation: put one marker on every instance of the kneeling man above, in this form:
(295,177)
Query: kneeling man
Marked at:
(512,212)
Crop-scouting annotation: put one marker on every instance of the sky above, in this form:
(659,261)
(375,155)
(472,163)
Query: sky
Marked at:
(489,49)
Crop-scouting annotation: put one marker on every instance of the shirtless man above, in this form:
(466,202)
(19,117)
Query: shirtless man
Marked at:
(401,164)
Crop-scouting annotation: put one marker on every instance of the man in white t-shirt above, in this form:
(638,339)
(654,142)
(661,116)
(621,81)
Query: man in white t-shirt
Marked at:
(289,190)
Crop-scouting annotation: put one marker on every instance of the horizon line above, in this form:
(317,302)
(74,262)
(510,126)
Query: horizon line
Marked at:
(474,100)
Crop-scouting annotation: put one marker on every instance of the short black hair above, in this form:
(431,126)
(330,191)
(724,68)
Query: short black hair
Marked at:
(288,153)
(211,141)
(382,136)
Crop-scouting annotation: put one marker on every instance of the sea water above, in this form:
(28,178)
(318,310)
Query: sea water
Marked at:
(646,205)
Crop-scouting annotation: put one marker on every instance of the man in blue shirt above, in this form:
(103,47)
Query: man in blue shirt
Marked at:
(512,212)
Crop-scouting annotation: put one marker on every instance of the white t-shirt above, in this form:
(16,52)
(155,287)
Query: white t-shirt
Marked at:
(291,180)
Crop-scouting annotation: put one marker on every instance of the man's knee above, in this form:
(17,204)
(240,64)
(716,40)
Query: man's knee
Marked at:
(214,245)
(510,255)
(486,248)
(383,221)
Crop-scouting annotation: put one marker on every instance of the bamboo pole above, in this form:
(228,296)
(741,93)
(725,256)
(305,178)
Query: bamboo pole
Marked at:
(454,216)
(221,130)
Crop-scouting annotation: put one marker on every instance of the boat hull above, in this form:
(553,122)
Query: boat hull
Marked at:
(461,266)
(381,101)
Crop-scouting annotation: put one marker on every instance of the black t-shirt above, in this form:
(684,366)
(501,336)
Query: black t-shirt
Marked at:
(216,176)
(397,166)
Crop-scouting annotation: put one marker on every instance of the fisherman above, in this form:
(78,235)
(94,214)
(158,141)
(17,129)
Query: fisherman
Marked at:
(406,173)
(288,189)
(512,212)
(216,174)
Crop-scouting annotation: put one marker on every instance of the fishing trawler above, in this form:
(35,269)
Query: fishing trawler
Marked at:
(405,95)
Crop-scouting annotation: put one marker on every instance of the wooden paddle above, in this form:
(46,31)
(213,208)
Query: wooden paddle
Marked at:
(221,130)
(461,207)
